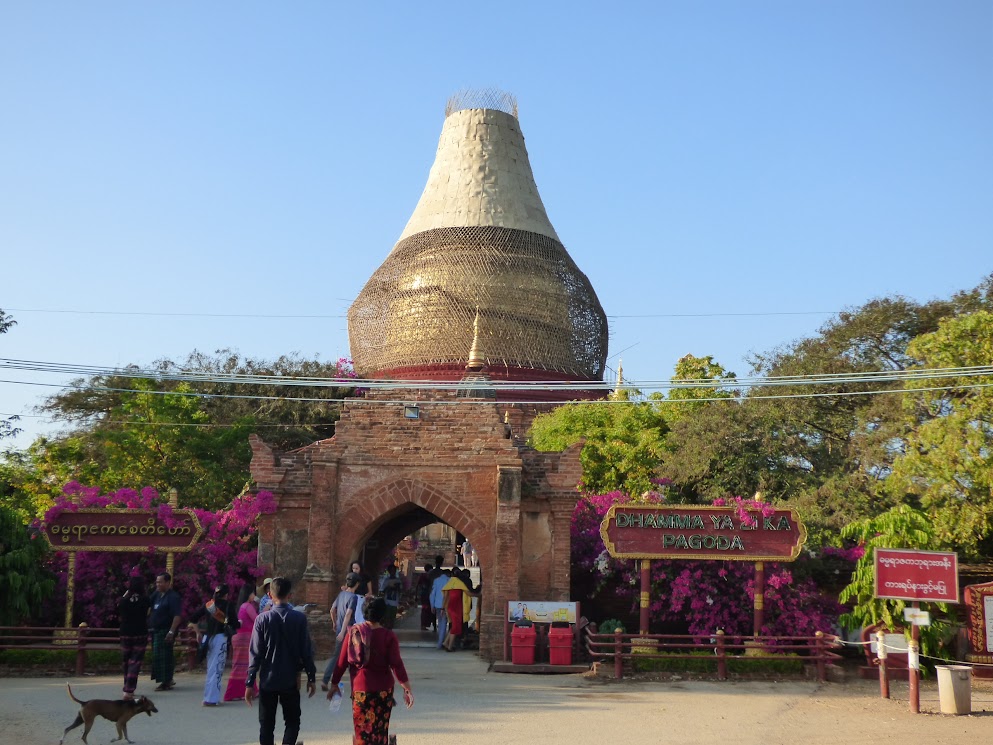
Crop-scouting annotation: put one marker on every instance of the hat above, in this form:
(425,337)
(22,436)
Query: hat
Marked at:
(352,579)
(267,581)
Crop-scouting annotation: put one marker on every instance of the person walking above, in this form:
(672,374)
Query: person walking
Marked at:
(343,612)
(364,590)
(423,589)
(132,610)
(372,657)
(220,623)
(247,613)
(280,648)
(438,604)
(391,588)
(458,603)
(167,610)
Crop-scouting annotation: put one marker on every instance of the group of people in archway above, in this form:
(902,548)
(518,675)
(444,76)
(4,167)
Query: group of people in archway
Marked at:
(445,596)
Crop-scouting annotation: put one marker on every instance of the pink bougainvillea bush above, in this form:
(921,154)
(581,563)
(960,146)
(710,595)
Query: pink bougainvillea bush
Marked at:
(227,552)
(701,597)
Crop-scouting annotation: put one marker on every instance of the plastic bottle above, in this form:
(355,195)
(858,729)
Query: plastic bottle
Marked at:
(335,706)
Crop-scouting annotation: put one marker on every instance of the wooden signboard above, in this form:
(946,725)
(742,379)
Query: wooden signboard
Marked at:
(634,531)
(107,529)
(979,605)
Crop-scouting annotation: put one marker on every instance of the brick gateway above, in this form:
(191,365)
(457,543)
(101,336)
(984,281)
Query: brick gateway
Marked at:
(383,476)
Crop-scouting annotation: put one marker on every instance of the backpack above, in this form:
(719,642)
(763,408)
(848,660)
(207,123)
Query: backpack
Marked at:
(359,638)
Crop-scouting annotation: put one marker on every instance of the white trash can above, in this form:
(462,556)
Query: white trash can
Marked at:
(954,688)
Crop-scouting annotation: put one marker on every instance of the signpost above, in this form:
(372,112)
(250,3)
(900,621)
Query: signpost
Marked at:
(645,532)
(110,529)
(908,574)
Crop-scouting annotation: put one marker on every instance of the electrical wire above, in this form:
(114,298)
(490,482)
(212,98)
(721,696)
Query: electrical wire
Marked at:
(868,377)
(407,401)
(323,316)
(733,387)
(203,425)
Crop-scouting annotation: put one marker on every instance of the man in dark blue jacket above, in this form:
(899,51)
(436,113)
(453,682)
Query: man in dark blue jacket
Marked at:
(167,610)
(279,650)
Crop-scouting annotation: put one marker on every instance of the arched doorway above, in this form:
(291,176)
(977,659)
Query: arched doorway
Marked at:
(383,476)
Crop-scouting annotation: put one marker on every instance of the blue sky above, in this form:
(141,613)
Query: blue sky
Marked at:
(715,158)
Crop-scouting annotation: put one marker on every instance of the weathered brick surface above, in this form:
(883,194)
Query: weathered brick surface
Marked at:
(383,476)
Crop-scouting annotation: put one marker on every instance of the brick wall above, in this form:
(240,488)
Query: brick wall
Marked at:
(383,476)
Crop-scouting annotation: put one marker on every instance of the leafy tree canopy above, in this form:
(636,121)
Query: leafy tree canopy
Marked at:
(7,426)
(900,527)
(947,464)
(24,581)
(623,442)
(838,458)
(169,433)
(830,456)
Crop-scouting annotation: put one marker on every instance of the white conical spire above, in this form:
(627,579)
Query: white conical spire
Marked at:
(481,176)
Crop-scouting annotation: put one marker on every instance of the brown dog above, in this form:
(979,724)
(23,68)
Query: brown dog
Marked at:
(119,712)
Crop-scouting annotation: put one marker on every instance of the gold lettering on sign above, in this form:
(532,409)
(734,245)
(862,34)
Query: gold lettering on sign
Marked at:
(77,534)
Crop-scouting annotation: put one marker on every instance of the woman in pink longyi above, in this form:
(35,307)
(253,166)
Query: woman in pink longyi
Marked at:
(247,612)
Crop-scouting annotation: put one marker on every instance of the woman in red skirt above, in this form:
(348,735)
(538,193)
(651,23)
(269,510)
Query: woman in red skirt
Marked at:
(458,603)
(371,654)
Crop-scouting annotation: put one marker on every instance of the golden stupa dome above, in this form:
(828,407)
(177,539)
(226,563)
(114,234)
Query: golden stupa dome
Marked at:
(479,249)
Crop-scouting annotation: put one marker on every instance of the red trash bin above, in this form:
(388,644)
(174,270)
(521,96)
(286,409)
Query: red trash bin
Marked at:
(560,645)
(522,643)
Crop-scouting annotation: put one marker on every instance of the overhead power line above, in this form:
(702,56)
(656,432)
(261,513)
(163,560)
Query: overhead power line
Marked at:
(874,377)
(202,425)
(327,316)
(407,400)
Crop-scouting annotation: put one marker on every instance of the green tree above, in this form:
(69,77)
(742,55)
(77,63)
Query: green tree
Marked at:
(8,427)
(623,442)
(284,420)
(847,443)
(946,465)
(24,583)
(732,448)
(695,371)
(718,448)
(900,527)
(171,433)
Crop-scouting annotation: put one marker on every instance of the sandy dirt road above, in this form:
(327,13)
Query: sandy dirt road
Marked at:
(460,702)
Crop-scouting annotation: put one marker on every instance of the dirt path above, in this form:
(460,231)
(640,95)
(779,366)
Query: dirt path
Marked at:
(459,702)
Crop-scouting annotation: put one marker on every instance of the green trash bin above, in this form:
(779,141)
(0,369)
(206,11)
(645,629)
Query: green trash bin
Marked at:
(954,689)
